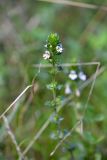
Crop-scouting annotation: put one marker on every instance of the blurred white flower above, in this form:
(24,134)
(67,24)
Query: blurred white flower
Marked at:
(68,89)
(53,136)
(77,92)
(59,48)
(45,45)
(82,76)
(73,75)
(46,55)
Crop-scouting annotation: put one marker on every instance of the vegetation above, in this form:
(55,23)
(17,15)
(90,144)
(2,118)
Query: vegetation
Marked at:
(53,80)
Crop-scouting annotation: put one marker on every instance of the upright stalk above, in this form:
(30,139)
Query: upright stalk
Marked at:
(52,54)
(54,88)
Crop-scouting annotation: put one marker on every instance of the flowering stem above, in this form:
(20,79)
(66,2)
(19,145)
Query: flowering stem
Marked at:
(54,88)
(52,54)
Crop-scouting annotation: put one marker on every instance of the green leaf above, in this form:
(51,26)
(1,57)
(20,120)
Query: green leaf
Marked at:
(53,39)
(89,137)
(52,86)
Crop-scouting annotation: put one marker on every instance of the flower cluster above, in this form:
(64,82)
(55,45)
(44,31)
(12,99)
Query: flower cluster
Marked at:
(73,75)
(53,47)
(59,48)
(46,55)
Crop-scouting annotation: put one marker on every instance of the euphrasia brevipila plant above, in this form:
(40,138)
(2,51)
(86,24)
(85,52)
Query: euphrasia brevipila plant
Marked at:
(53,51)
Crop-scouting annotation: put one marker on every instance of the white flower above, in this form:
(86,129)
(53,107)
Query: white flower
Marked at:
(46,55)
(68,89)
(59,48)
(45,45)
(73,75)
(77,92)
(53,136)
(82,76)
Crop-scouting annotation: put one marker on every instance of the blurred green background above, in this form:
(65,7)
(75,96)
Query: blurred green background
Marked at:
(24,28)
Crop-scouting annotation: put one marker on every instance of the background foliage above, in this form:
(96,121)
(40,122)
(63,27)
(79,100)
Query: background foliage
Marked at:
(24,27)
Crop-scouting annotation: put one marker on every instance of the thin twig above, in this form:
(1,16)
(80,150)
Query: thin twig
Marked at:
(13,138)
(77,4)
(92,87)
(10,118)
(11,105)
(66,64)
